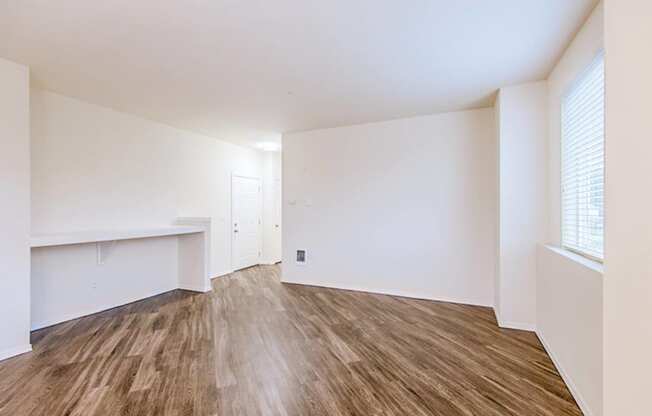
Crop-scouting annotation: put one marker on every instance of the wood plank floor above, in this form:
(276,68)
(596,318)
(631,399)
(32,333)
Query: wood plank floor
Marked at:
(258,347)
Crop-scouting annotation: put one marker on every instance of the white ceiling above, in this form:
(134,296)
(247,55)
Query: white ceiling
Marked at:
(246,70)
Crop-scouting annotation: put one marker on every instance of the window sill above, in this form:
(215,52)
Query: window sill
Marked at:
(586,262)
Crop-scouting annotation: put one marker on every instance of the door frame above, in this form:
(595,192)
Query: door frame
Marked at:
(260,217)
(277,188)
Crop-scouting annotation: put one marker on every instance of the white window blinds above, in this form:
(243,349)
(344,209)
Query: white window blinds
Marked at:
(582,129)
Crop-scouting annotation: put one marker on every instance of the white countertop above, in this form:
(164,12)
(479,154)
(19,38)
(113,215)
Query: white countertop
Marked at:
(94,236)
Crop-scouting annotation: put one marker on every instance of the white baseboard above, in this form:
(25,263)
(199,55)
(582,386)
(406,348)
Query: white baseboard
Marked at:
(13,351)
(517,325)
(222,274)
(399,294)
(514,325)
(196,289)
(227,272)
(567,379)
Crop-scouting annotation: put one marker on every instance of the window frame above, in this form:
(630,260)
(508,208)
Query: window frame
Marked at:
(570,88)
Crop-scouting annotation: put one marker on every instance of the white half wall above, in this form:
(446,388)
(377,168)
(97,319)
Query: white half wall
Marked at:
(14,209)
(404,207)
(95,168)
(522,152)
(628,204)
(68,282)
(569,322)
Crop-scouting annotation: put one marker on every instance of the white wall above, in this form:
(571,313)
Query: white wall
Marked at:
(569,294)
(272,200)
(522,151)
(628,204)
(14,209)
(405,207)
(93,167)
(569,321)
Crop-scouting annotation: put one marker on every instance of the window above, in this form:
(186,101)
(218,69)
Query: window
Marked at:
(582,177)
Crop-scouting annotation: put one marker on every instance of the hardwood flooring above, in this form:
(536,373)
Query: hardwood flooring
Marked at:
(255,346)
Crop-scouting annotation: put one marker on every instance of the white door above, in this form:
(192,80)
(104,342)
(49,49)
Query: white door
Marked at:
(246,225)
